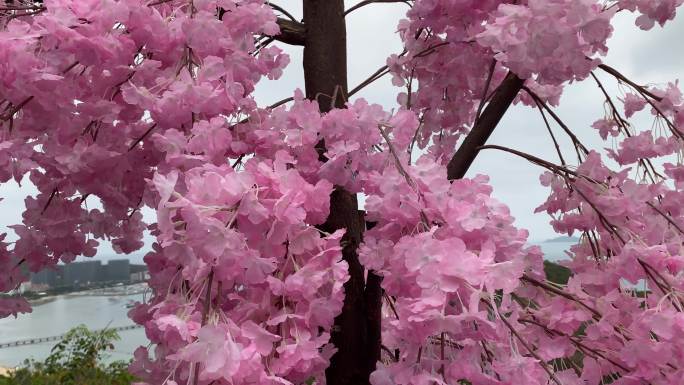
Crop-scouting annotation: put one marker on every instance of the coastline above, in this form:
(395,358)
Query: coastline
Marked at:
(42,300)
(114,291)
(61,313)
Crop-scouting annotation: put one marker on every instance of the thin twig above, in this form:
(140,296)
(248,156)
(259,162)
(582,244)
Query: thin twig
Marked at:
(623,78)
(207,299)
(47,204)
(553,137)
(488,83)
(390,302)
(405,174)
(573,137)
(280,103)
(561,293)
(140,139)
(534,354)
(15,109)
(389,352)
(205,315)
(159,2)
(667,217)
(574,341)
(538,161)
(382,71)
(283,11)
(647,95)
(22,8)
(624,125)
(367,2)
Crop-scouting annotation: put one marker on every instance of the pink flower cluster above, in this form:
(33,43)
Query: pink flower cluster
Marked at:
(244,246)
(443,69)
(554,40)
(652,11)
(83,88)
(456,53)
(448,254)
(628,267)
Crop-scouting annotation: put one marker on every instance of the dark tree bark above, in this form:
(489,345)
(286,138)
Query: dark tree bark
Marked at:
(325,52)
(487,122)
(291,32)
(357,329)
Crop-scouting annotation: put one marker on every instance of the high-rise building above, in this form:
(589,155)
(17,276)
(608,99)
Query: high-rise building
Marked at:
(117,270)
(51,277)
(88,272)
(82,273)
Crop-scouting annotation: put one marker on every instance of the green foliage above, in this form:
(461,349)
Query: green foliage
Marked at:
(557,273)
(75,360)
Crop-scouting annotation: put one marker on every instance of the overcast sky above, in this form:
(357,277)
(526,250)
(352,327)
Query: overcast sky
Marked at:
(653,57)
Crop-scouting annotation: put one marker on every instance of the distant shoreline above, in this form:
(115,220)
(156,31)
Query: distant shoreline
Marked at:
(42,300)
(562,240)
(107,292)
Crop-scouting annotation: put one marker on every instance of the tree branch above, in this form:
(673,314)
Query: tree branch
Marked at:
(575,140)
(283,11)
(366,2)
(596,314)
(531,350)
(485,92)
(141,138)
(623,78)
(490,118)
(375,76)
(205,314)
(553,137)
(291,32)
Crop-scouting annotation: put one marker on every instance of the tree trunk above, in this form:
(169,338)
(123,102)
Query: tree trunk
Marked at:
(325,75)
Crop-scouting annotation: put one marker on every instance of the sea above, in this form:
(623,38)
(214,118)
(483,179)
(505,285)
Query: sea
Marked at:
(62,313)
(59,315)
(555,251)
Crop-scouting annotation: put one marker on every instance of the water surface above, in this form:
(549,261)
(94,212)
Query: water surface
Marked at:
(60,315)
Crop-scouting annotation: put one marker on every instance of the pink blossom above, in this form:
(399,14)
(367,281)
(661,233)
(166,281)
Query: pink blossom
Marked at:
(215,350)
(633,103)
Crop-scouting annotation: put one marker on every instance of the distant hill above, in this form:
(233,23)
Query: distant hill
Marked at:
(563,239)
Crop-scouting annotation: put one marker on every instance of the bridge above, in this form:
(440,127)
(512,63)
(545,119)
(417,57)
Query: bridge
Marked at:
(40,340)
